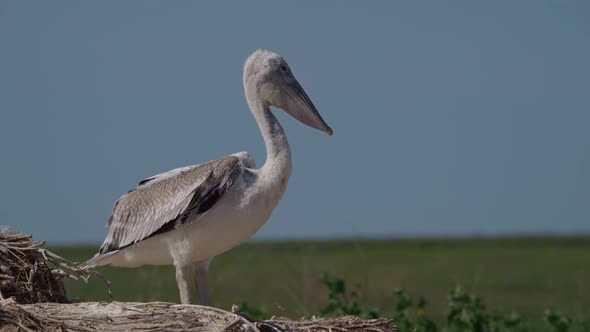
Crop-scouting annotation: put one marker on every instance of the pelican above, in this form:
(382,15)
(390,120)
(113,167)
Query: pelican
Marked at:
(189,215)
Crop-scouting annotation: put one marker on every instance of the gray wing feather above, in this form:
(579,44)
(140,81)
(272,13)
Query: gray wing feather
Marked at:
(169,200)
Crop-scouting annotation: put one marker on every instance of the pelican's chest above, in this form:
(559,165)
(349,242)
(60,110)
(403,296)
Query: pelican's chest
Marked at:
(275,192)
(262,195)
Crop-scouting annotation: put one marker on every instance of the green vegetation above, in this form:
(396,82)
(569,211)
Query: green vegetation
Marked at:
(466,312)
(517,278)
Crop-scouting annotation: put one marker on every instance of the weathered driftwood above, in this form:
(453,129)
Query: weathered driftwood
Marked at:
(33,298)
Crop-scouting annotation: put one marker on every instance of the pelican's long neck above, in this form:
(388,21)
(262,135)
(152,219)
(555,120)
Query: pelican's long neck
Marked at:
(278,153)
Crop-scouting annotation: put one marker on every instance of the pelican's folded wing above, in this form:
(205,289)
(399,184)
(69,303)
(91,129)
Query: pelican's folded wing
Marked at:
(167,201)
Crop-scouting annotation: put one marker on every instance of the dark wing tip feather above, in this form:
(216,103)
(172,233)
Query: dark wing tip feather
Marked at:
(146,180)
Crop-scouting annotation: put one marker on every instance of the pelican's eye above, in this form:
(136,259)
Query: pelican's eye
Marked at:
(284,68)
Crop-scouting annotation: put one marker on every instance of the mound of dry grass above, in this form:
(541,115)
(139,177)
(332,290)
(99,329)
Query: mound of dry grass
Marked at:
(118,316)
(159,316)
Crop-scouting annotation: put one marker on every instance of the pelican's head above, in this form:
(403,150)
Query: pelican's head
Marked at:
(277,86)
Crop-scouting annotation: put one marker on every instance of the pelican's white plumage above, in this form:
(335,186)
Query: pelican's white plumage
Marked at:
(188,215)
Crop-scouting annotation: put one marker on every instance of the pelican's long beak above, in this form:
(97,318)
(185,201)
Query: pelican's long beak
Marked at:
(298,104)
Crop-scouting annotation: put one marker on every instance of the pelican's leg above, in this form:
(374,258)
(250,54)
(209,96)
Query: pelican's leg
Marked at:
(182,279)
(201,282)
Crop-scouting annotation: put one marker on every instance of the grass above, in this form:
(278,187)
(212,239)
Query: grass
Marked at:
(528,275)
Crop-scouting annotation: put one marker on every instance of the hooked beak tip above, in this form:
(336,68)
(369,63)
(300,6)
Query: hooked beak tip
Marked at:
(329,131)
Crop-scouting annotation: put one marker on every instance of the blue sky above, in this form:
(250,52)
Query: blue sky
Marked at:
(450,118)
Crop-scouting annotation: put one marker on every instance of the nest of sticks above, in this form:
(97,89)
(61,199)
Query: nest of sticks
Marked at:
(33,298)
(31,274)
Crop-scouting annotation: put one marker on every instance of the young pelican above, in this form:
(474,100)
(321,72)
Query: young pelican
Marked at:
(189,215)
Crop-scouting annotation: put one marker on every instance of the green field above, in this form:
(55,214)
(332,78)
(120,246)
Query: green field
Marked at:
(525,274)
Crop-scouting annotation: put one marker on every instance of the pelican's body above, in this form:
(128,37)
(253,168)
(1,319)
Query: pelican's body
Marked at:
(237,216)
(187,216)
